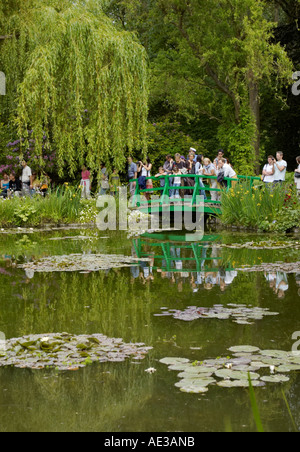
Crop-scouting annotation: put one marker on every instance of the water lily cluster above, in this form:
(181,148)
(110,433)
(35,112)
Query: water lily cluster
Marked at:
(64,351)
(262,366)
(240,314)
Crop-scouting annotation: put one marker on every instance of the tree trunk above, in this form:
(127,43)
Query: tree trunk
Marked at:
(255,111)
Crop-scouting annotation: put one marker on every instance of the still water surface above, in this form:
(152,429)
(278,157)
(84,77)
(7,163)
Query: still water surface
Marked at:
(130,303)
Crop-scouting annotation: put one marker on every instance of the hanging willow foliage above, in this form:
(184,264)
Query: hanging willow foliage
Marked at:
(72,76)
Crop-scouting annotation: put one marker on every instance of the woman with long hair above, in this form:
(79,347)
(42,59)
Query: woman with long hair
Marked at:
(144,168)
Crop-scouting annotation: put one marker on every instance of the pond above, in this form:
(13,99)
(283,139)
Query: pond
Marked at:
(192,300)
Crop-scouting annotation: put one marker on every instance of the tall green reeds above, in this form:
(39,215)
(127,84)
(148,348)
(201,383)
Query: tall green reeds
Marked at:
(62,205)
(253,206)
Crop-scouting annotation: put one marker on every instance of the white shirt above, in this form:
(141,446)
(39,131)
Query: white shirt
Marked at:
(280,175)
(230,277)
(269,169)
(26,174)
(297,180)
(198,168)
(228,171)
(282,278)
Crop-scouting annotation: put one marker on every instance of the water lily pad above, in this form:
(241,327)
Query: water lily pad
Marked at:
(272,361)
(200,369)
(288,368)
(238,383)
(186,374)
(238,313)
(274,353)
(275,379)
(194,389)
(172,361)
(259,365)
(80,263)
(202,382)
(244,349)
(67,352)
(180,366)
(235,375)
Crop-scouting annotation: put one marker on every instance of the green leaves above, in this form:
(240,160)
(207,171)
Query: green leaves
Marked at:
(75,77)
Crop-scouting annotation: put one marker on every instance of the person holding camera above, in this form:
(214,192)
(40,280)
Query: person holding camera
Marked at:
(269,171)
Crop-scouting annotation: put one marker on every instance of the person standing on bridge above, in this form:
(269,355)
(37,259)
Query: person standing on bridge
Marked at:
(219,157)
(144,169)
(199,172)
(168,169)
(210,170)
(227,172)
(280,169)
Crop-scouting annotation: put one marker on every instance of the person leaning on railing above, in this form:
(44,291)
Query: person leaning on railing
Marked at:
(209,169)
(227,172)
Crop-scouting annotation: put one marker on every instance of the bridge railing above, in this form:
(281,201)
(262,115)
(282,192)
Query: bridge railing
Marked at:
(194,257)
(197,188)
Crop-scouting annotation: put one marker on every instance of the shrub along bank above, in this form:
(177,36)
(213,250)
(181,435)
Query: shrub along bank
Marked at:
(64,205)
(261,207)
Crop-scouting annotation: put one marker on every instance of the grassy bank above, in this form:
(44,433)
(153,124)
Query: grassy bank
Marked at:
(64,205)
(267,209)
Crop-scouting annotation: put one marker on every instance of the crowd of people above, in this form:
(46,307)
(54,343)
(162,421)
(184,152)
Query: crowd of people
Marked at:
(179,166)
(274,172)
(23,183)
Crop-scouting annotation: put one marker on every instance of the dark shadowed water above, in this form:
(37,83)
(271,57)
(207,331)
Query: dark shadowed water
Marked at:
(131,303)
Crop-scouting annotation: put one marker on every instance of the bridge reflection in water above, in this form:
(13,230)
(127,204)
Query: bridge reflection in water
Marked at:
(176,256)
(202,263)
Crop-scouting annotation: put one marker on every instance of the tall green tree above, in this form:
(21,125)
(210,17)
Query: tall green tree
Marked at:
(215,58)
(75,78)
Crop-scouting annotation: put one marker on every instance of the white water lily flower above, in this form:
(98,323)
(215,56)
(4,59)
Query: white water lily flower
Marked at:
(272,369)
(45,339)
(151,370)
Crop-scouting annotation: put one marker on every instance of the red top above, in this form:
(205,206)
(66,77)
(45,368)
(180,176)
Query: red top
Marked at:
(85,175)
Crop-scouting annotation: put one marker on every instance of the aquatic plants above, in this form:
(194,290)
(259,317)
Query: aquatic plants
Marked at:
(263,366)
(62,205)
(64,351)
(261,207)
(241,314)
(79,262)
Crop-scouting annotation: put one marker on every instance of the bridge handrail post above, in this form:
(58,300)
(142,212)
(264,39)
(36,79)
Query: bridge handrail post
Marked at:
(196,190)
(136,193)
(166,191)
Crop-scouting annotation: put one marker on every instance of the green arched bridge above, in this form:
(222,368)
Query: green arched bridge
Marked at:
(189,194)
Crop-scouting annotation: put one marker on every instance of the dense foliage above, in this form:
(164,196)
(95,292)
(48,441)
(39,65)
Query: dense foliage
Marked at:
(215,60)
(77,73)
(263,208)
(72,76)
(62,206)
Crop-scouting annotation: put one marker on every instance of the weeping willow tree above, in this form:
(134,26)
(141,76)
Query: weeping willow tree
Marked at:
(73,77)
